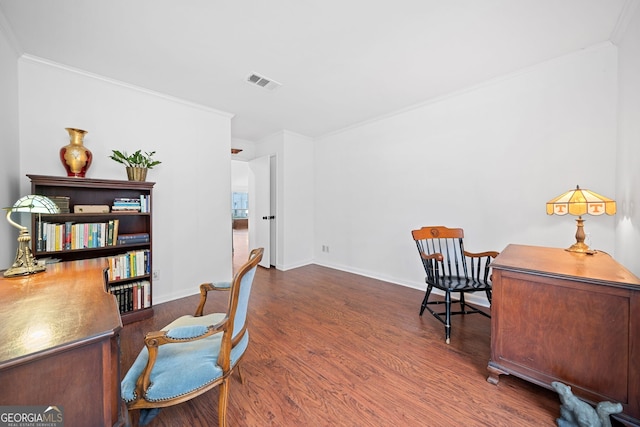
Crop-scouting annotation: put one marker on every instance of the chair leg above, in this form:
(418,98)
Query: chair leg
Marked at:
(426,299)
(146,415)
(447,325)
(222,402)
(462,303)
(240,373)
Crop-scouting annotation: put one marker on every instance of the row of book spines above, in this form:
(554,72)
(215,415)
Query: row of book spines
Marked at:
(132,296)
(130,264)
(53,237)
(143,204)
(69,235)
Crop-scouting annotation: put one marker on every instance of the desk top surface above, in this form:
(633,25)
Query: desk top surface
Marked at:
(65,306)
(599,267)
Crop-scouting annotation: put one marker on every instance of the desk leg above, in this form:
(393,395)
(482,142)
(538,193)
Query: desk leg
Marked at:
(494,373)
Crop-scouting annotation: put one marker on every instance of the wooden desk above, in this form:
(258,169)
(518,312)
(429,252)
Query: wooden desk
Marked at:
(60,345)
(568,317)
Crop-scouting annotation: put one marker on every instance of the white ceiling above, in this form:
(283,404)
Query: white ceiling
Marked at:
(340,62)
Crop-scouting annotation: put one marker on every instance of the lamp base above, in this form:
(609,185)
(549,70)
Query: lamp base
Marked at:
(580,246)
(23,271)
(25,263)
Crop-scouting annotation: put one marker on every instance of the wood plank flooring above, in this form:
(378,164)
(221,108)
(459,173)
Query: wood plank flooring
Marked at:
(329,348)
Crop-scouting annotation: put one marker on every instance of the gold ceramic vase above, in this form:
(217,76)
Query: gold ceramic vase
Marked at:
(75,157)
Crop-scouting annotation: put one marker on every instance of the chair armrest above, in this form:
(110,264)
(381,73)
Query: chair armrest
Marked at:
(204,290)
(491,254)
(481,264)
(181,334)
(436,256)
(217,286)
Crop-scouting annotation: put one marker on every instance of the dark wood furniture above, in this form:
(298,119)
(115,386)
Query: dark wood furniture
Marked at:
(452,270)
(568,317)
(60,343)
(84,191)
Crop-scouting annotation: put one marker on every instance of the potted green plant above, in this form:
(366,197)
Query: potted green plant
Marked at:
(136,164)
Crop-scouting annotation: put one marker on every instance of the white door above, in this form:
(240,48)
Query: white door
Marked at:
(260,207)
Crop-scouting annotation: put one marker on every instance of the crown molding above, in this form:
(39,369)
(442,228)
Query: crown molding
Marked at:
(479,86)
(39,60)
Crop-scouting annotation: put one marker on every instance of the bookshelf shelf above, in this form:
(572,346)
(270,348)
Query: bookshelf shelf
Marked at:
(145,276)
(134,294)
(89,215)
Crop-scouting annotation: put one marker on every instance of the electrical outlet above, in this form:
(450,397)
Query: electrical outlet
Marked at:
(156,274)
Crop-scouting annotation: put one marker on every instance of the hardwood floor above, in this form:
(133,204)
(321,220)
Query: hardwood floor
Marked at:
(240,247)
(329,348)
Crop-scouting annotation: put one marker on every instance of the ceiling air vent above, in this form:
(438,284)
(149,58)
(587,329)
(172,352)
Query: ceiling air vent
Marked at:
(262,81)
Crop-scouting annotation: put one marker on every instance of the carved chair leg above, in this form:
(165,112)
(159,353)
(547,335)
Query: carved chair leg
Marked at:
(222,402)
(239,369)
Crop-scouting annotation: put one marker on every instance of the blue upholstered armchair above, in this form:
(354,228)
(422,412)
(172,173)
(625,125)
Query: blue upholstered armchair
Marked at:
(193,354)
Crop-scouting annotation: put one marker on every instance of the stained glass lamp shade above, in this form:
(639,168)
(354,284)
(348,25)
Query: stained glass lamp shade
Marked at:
(579,202)
(25,263)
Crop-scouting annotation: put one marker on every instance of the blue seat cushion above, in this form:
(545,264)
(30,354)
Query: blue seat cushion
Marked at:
(181,368)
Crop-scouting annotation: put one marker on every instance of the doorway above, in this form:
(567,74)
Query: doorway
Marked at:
(240,247)
(254,209)
(239,212)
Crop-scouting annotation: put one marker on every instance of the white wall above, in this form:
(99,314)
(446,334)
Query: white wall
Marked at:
(628,164)
(9,141)
(299,208)
(239,176)
(486,160)
(191,201)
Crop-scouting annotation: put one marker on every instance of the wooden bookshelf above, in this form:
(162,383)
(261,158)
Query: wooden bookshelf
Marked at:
(84,191)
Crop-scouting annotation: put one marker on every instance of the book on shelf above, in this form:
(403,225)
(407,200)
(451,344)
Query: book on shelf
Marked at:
(132,296)
(57,240)
(68,227)
(112,231)
(139,204)
(124,204)
(145,203)
(115,208)
(62,202)
(91,209)
(132,238)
